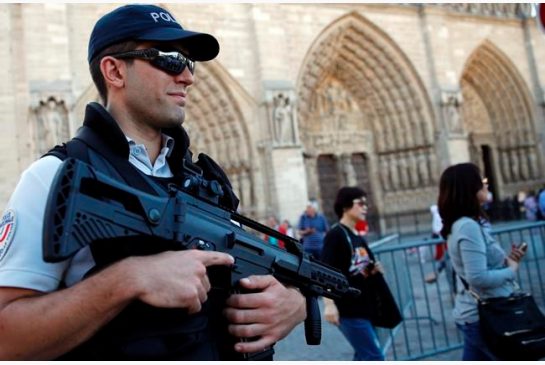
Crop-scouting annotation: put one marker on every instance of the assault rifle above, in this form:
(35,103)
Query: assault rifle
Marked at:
(85,205)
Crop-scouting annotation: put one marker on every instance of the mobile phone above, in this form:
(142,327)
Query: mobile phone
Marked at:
(523,246)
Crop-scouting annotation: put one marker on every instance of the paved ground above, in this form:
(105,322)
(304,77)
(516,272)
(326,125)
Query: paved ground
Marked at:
(334,347)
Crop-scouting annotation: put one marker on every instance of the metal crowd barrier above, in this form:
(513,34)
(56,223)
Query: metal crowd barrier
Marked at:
(428,329)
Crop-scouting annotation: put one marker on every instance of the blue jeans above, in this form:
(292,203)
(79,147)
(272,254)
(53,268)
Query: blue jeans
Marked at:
(474,347)
(363,338)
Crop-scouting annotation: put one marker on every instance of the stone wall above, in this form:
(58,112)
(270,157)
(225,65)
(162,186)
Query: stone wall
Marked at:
(396,82)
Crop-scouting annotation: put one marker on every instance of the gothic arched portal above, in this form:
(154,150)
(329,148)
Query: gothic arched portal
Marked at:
(498,117)
(358,93)
(217,127)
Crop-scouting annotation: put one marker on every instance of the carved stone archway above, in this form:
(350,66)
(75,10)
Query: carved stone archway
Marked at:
(358,93)
(497,114)
(218,128)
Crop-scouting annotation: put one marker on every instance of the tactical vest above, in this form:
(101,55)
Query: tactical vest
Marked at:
(140,331)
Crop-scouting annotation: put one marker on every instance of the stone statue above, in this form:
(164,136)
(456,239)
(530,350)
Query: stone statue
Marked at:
(403,175)
(394,173)
(505,166)
(348,171)
(423,172)
(282,120)
(329,100)
(52,124)
(384,174)
(498,10)
(513,159)
(413,173)
(532,163)
(451,107)
(524,173)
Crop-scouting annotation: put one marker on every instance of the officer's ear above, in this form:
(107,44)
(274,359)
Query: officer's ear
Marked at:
(113,71)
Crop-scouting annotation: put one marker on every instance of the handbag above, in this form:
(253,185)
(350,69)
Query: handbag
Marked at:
(513,327)
(382,307)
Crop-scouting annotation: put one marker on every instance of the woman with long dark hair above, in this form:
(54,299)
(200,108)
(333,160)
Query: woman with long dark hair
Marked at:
(476,256)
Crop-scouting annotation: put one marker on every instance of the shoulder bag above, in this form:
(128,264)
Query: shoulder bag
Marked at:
(384,309)
(513,327)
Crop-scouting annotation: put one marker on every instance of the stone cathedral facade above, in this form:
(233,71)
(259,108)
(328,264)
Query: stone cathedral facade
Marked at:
(305,98)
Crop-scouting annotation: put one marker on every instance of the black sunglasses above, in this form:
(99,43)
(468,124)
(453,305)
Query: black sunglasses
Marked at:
(173,63)
(360,202)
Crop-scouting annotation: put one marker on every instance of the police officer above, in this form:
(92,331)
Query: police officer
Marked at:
(108,304)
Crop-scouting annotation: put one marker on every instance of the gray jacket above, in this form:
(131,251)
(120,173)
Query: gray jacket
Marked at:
(481,261)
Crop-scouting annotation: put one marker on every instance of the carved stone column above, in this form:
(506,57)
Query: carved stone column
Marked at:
(288,169)
(347,170)
(311,169)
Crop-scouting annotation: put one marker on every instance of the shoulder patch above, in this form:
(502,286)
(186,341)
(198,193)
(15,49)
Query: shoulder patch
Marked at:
(7,231)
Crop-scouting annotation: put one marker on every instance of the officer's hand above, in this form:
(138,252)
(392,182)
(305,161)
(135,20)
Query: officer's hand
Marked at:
(175,279)
(268,315)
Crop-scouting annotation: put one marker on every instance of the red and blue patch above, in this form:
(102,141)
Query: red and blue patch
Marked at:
(7,231)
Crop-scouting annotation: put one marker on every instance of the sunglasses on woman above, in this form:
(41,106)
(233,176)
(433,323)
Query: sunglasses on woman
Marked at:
(360,202)
(173,63)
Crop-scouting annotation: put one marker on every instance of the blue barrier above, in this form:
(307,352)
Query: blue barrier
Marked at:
(428,328)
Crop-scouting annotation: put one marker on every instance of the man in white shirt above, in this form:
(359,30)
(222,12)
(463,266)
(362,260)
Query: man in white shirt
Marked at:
(142,62)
